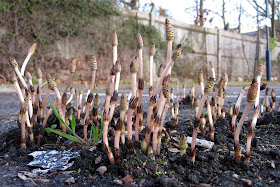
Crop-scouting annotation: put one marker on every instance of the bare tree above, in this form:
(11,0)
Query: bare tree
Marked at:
(261,8)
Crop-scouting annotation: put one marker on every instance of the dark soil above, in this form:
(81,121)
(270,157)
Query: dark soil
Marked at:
(215,167)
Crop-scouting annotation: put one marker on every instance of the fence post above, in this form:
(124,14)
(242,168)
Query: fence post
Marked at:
(219,54)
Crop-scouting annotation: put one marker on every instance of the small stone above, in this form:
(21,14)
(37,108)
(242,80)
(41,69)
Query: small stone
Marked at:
(98,159)
(101,170)
(117,182)
(70,180)
(235,176)
(128,179)
(272,164)
(247,182)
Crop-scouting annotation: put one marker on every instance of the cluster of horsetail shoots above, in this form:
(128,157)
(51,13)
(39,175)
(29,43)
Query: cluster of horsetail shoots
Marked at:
(157,110)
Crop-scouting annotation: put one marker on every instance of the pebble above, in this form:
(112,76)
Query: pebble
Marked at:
(117,182)
(70,180)
(235,176)
(247,182)
(101,170)
(128,179)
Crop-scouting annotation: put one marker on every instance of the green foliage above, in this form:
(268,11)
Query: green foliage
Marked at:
(94,130)
(272,43)
(72,131)
(49,20)
(150,34)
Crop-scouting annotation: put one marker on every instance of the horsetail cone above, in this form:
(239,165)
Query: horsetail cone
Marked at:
(28,75)
(123,103)
(152,49)
(160,70)
(260,70)
(51,83)
(39,74)
(139,41)
(176,53)
(118,67)
(225,77)
(252,91)
(96,101)
(64,99)
(13,62)
(267,91)
(134,65)
(208,89)
(114,38)
(110,88)
(93,63)
(73,65)
(169,30)
(183,145)
(32,48)
(200,75)
(165,91)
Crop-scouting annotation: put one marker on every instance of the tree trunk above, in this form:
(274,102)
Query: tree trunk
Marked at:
(223,16)
(201,12)
(273,19)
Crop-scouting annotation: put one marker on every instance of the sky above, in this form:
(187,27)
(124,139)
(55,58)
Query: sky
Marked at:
(176,9)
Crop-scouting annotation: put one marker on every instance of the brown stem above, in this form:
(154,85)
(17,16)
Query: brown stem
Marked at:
(169,52)
(251,132)
(239,125)
(238,102)
(22,127)
(46,102)
(155,135)
(93,75)
(195,129)
(210,120)
(201,103)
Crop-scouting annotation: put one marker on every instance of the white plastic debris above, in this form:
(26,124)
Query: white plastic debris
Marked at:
(52,160)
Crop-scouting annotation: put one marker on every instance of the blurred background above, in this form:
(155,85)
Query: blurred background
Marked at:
(229,33)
